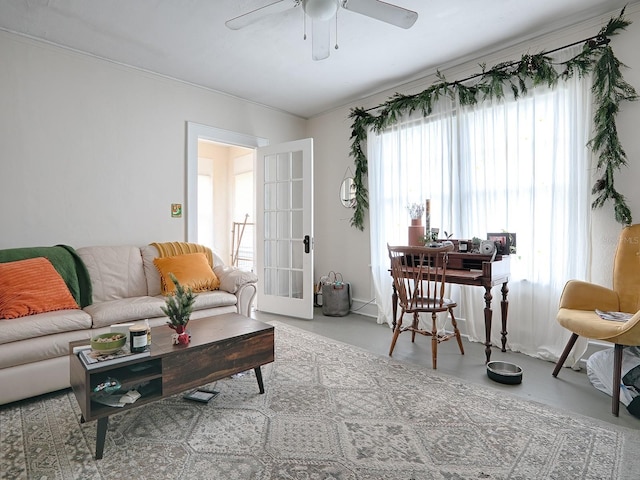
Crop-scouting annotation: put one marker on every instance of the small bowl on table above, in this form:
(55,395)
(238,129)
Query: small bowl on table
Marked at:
(504,372)
(107,343)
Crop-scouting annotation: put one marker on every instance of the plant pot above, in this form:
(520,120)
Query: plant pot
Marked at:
(181,337)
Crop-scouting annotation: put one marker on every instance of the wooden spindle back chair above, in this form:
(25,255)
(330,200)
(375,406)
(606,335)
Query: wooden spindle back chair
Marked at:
(419,275)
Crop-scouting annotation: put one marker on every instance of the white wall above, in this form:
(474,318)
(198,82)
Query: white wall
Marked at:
(341,247)
(93,153)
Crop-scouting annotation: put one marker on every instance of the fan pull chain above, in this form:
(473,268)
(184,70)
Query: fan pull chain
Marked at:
(336,47)
(304,25)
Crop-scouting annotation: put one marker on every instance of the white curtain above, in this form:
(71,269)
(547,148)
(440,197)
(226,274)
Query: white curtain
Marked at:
(408,163)
(517,166)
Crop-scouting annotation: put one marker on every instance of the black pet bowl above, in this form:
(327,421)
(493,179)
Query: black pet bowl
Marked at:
(504,372)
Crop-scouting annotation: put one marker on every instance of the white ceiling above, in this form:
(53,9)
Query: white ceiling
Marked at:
(269,62)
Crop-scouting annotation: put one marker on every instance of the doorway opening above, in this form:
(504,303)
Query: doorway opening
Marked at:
(220,192)
(226,211)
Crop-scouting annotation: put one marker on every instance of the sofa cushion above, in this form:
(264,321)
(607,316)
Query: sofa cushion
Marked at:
(213,299)
(231,279)
(210,300)
(192,270)
(43,324)
(67,263)
(149,254)
(40,348)
(123,310)
(116,272)
(32,286)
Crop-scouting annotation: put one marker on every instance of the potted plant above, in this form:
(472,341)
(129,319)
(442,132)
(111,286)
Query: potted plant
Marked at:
(416,230)
(179,306)
(415,212)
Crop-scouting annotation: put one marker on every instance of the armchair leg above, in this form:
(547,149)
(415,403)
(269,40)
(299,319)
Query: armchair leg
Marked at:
(565,354)
(434,341)
(617,378)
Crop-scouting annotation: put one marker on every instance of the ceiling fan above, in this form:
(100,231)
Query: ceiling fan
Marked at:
(322,11)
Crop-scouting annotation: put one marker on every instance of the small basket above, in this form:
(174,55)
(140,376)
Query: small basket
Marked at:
(336,295)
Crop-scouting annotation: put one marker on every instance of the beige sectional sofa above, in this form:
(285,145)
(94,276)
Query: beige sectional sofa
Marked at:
(126,288)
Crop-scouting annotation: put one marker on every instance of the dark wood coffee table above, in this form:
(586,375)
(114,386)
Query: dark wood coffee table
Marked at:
(220,346)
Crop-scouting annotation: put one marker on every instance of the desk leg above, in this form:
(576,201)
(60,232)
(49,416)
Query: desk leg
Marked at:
(504,306)
(394,306)
(487,322)
(103,424)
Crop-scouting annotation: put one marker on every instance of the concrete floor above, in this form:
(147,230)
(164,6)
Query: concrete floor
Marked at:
(570,391)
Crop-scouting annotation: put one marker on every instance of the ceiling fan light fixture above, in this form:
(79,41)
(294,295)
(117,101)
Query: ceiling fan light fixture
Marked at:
(320,10)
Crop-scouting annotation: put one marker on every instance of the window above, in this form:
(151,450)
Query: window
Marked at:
(516,165)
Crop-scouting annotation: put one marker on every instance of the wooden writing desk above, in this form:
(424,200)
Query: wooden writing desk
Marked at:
(476,269)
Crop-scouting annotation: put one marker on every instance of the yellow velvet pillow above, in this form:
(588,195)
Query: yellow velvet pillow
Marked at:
(32,286)
(192,271)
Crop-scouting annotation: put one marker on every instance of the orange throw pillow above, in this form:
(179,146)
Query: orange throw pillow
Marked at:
(192,271)
(32,286)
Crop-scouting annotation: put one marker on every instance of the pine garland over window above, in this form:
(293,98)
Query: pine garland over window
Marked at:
(609,88)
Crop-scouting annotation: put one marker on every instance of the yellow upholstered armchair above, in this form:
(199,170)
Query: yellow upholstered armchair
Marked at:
(580,300)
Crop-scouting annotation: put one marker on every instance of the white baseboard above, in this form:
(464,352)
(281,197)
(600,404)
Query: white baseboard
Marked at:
(368,308)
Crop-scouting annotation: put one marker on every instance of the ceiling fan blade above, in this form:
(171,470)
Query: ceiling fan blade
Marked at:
(385,12)
(259,13)
(320,39)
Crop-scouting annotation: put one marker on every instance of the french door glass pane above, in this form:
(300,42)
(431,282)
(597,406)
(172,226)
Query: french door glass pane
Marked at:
(284,254)
(284,225)
(296,284)
(296,225)
(296,194)
(283,283)
(270,224)
(283,199)
(270,281)
(284,167)
(296,258)
(269,196)
(270,168)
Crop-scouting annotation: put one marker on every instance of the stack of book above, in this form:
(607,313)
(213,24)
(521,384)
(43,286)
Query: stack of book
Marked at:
(93,359)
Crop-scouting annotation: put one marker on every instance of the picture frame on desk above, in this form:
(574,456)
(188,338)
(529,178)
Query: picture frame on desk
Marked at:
(505,242)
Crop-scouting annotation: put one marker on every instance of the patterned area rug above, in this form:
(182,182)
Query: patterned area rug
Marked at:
(330,411)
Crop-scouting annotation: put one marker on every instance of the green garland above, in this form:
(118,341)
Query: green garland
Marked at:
(609,90)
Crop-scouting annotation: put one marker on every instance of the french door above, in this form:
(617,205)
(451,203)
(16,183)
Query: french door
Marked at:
(284,228)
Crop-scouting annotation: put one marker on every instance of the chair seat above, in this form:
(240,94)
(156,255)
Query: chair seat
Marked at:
(432,304)
(587,323)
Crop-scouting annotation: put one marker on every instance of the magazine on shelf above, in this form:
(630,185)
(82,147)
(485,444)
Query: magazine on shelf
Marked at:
(93,359)
(615,316)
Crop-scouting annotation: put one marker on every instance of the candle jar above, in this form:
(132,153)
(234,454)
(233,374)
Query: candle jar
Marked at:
(138,338)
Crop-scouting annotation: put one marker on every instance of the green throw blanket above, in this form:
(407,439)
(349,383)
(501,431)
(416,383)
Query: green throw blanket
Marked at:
(66,262)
